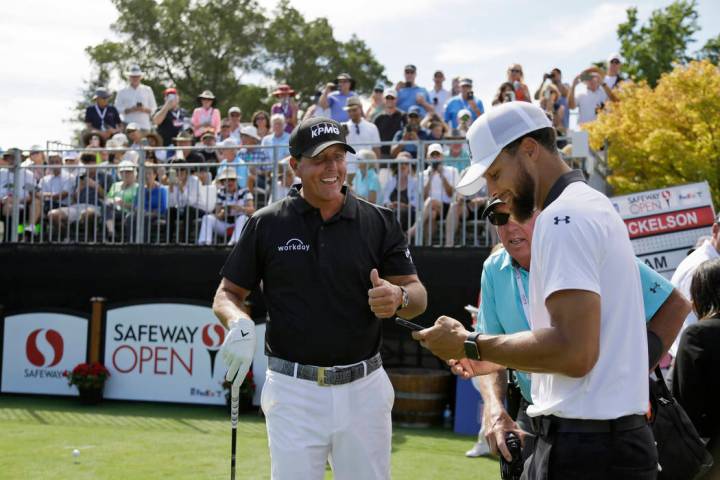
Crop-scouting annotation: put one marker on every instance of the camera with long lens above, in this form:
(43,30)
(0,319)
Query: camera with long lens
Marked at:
(513,469)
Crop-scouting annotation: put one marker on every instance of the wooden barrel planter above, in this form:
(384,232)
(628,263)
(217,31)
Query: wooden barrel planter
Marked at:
(420,396)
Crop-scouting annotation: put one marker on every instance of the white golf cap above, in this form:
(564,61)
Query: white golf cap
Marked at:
(614,56)
(492,132)
(126,166)
(435,148)
(250,131)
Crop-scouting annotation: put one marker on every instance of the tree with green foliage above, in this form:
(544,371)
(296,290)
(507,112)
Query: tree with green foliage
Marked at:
(711,51)
(196,45)
(667,135)
(654,48)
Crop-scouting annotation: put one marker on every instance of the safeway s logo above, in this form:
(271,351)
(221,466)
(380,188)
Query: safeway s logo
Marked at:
(213,335)
(294,245)
(53,339)
(324,128)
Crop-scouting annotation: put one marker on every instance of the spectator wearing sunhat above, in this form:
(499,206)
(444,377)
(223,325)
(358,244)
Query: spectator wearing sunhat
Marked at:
(170,119)
(234,206)
(286,106)
(134,135)
(409,93)
(136,102)
(101,116)
(336,100)
(205,116)
(465,100)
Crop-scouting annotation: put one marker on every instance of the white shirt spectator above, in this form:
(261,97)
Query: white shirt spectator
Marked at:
(390,186)
(437,191)
(587,102)
(188,196)
(442,97)
(682,278)
(363,135)
(7,182)
(581,243)
(129,97)
(56,184)
(610,81)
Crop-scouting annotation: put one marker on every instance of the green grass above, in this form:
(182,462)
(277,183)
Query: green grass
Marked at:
(120,440)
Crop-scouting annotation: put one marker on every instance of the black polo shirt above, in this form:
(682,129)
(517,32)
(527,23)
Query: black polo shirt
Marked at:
(387,126)
(316,276)
(172,125)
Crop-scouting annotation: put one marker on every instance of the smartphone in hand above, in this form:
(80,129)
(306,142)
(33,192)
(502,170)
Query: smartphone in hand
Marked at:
(408,324)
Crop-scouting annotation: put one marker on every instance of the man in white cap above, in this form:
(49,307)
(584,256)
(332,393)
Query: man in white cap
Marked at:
(136,102)
(234,206)
(613,78)
(464,101)
(587,349)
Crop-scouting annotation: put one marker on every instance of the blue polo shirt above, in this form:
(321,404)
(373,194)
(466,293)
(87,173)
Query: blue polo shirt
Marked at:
(501,310)
(407,97)
(337,101)
(457,103)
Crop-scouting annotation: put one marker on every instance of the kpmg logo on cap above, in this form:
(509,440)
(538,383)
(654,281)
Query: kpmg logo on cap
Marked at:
(294,245)
(323,129)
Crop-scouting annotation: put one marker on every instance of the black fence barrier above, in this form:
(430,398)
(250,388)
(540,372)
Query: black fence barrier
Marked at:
(67,276)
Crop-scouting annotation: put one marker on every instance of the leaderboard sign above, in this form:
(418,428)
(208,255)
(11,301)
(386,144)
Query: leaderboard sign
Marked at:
(164,352)
(664,224)
(37,348)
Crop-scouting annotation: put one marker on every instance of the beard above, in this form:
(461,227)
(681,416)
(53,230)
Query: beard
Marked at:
(523,205)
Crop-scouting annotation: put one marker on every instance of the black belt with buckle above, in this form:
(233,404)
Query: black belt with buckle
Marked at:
(544,425)
(326,376)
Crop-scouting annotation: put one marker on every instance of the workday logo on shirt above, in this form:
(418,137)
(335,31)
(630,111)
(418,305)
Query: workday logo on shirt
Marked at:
(294,245)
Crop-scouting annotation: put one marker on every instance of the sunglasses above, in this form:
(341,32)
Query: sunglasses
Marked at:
(515,70)
(498,219)
(409,71)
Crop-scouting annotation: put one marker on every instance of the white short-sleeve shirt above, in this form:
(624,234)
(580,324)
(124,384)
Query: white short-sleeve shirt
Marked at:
(587,102)
(437,190)
(361,136)
(581,243)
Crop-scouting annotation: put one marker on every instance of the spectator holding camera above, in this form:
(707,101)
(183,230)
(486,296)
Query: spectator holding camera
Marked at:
(593,99)
(315,110)
(506,93)
(136,102)
(410,94)
(412,132)
(336,100)
(464,101)
(555,78)
(550,103)
(439,189)
(515,78)
(170,119)
(390,121)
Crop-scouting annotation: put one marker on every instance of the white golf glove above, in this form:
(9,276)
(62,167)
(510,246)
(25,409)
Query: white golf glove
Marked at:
(238,349)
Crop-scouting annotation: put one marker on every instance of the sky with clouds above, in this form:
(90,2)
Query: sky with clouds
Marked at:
(42,45)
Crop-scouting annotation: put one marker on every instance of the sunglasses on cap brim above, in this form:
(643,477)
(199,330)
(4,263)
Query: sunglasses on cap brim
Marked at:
(498,218)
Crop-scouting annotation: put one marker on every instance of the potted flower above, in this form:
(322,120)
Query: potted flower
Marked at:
(89,378)
(247,390)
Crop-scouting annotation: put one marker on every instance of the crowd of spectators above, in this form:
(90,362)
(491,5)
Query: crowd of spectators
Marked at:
(384,128)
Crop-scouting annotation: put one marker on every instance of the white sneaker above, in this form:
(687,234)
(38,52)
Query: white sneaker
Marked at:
(478,450)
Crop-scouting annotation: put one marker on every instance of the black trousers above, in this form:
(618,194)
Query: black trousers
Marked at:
(617,455)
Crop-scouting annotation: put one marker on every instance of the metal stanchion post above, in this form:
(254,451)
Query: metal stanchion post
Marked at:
(18,186)
(273,187)
(140,219)
(419,234)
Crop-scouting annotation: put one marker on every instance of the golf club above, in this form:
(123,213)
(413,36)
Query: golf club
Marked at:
(234,406)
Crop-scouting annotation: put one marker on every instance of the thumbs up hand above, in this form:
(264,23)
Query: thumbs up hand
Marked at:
(384,297)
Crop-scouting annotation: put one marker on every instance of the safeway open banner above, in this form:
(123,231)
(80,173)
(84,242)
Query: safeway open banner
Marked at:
(164,352)
(664,224)
(38,348)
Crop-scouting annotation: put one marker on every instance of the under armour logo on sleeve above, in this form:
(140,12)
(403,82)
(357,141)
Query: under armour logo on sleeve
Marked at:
(654,288)
(565,219)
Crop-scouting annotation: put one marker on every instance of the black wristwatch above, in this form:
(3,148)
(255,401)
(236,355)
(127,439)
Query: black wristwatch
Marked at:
(405,299)
(472,351)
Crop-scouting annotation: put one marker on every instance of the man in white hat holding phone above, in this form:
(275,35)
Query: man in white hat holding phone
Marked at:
(587,348)
(136,102)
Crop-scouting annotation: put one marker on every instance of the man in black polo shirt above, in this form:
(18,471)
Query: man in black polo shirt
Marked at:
(390,121)
(170,118)
(332,266)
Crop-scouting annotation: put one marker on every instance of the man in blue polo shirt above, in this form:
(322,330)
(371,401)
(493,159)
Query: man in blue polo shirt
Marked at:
(464,101)
(337,100)
(410,94)
(503,310)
